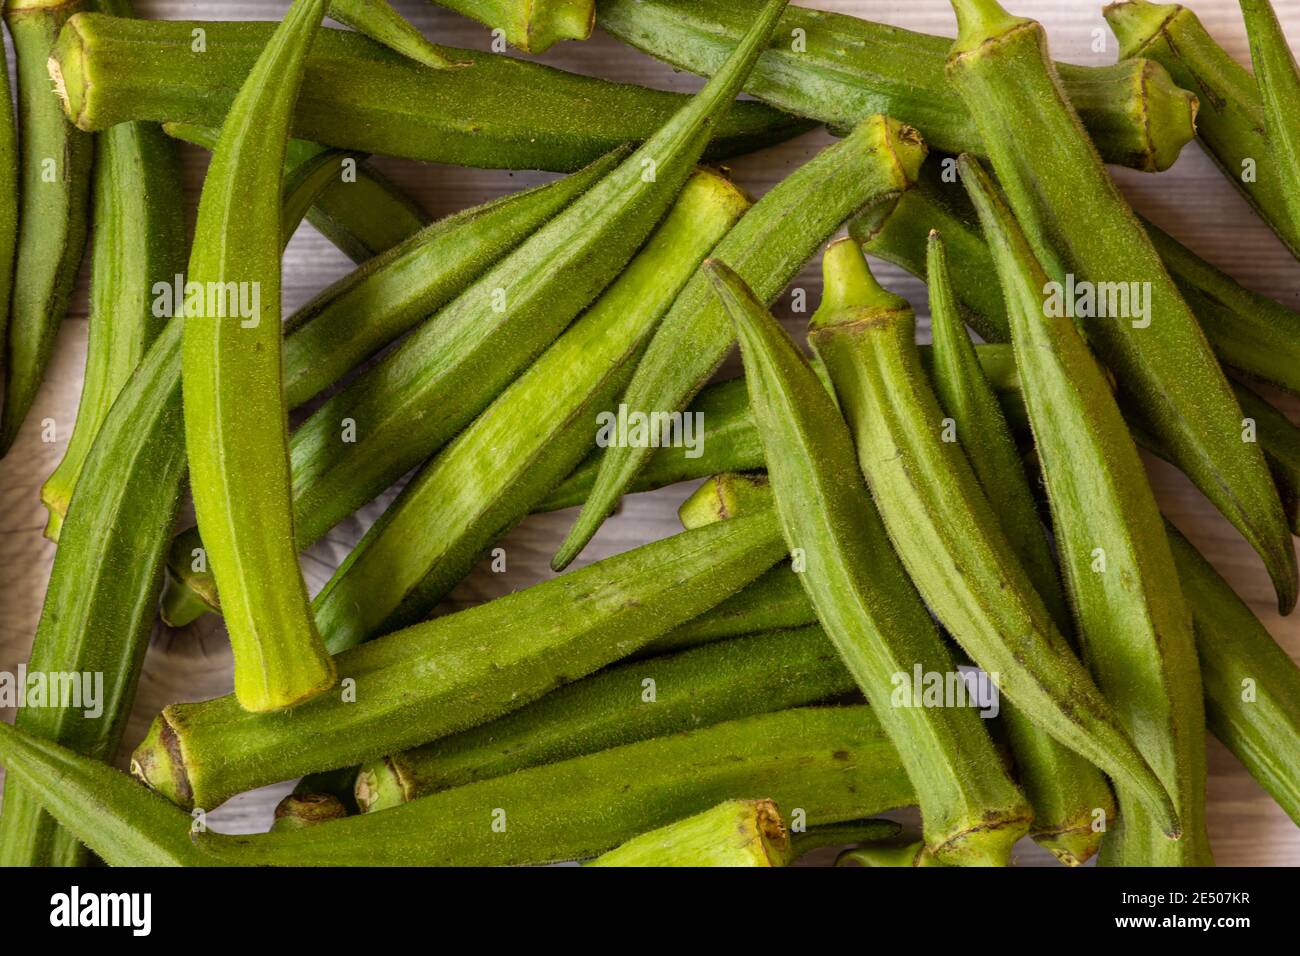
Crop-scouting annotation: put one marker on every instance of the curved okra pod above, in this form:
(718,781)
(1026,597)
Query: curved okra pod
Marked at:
(633,701)
(54,208)
(494,472)
(832,763)
(948,536)
(378,20)
(1280,439)
(534,25)
(1133,622)
(1067,792)
(971,810)
(843,69)
(1233,121)
(1278,78)
(738,833)
(361,96)
(1089,240)
(767,248)
(235,415)
(452,673)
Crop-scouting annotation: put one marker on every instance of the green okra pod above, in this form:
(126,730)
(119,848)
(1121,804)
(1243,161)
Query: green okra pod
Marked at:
(1280,439)
(1278,78)
(738,833)
(532,25)
(945,530)
(633,701)
(10,173)
(834,764)
(767,248)
(53,208)
(784,605)
(839,69)
(361,96)
(1067,792)
(843,834)
(1124,588)
(911,855)
(139,240)
(1233,123)
(378,20)
(1090,242)
(494,472)
(971,810)
(234,403)
(452,673)
(1252,686)
(298,811)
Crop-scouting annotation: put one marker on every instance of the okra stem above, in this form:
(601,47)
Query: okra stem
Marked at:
(533,25)
(738,833)
(378,20)
(1278,78)
(301,810)
(839,70)
(360,96)
(833,764)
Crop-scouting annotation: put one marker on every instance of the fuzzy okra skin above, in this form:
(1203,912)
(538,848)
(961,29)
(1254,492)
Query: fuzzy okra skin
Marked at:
(236,422)
(1280,439)
(1080,226)
(378,20)
(452,673)
(1278,78)
(534,26)
(1233,123)
(738,833)
(53,208)
(10,172)
(784,605)
(971,811)
(843,69)
(361,96)
(494,473)
(695,688)
(767,248)
(1124,588)
(833,763)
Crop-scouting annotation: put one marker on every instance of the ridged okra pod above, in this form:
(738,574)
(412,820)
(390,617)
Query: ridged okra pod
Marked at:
(235,416)
(378,20)
(1233,120)
(1070,796)
(452,673)
(839,69)
(493,474)
(1089,240)
(633,701)
(54,199)
(1278,78)
(971,811)
(361,96)
(1252,686)
(738,833)
(1135,627)
(1280,439)
(834,764)
(784,605)
(139,240)
(767,248)
(533,25)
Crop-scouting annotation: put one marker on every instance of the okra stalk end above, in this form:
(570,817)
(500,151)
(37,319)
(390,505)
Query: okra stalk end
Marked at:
(738,833)
(380,786)
(301,810)
(980,20)
(1136,23)
(1168,116)
(850,288)
(159,762)
(723,497)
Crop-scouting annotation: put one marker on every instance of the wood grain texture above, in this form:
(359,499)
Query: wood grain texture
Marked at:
(1192,201)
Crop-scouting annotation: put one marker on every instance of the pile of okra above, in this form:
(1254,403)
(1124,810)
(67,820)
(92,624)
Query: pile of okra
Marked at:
(912,576)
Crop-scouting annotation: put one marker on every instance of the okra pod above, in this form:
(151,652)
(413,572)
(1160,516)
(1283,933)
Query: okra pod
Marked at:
(633,701)
(767,248)
(139,240)
(1094,248)
(784,605)
(361,96)
(1252,686)
(738,833)
(452,673)
(971,810)
(1278,78)
(1124,588)
(834,764)
(533,25)
(10,172)
(842,834)
(1280,439)
(298,811)
(53,208)
(1233,121)
(494,473)
(235,416)
(378,20)
(910,855)
(839,69)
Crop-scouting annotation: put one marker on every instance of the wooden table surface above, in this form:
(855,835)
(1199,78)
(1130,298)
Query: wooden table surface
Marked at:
(1192,201)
